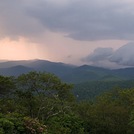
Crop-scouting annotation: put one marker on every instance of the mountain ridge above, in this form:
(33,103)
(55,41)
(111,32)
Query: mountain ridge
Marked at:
(67,72)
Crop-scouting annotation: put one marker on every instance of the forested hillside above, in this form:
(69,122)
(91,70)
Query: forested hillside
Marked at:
(89,90)
(40,103)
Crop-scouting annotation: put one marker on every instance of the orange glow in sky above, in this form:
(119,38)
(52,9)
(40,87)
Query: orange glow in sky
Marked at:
(54,47)
(63,31)
(19,50)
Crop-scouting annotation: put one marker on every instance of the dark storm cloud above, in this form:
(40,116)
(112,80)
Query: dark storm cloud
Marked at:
(88,20)
(14,21)
(103,56)
(77,19)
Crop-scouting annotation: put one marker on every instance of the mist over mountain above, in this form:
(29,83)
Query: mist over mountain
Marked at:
(67,72)
(23,66)
(123,57)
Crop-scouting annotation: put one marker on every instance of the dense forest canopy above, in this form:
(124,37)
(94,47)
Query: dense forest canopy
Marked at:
(40,103)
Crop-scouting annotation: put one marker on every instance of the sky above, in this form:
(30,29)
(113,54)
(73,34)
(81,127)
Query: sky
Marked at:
(96,32)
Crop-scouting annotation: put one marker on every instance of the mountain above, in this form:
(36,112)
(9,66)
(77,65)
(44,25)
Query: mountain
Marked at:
(15,70)
(18,67)
(90,90)
(89,81)
(57,68)
(67,72)
(126,73)
(85,73)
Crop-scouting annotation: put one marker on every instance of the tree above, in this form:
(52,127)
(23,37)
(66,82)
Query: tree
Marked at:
(66,124)
(13,123)
(109,113)
(42,95)
(6,85)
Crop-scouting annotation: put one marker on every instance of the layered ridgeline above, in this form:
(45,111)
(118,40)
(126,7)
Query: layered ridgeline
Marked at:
(67,72)
(88,81)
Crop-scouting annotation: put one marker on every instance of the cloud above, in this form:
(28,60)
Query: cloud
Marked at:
(77,19)
(88,20)
(106,57)
(99,54)
(124,55)
(15,22)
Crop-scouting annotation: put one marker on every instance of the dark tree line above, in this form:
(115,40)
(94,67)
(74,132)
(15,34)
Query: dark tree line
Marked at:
(40,103)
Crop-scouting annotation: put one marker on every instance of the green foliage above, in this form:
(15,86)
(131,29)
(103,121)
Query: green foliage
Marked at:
(41,103)
(41,95)
(6,85)
(66,124)
(18,124)
(6,125)
(12,124)
(7,105)
(89,90)
(109,113)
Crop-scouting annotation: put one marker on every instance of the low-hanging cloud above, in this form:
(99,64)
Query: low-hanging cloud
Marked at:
(99,54)
(124,56)
(77,19)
